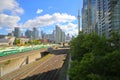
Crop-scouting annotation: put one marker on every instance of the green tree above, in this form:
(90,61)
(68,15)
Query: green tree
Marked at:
(115,40)
(95,57)
(35,42)
(76,48)
(16,41)
(29,42)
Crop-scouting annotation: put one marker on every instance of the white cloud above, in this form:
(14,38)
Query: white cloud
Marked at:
(48,19)
(18,11)
(12,20)
(70,28)
(9,20)
(39,11)
(10,30)
(10,5)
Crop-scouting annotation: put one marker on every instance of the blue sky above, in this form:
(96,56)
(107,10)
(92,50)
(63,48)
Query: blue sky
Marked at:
(43,14)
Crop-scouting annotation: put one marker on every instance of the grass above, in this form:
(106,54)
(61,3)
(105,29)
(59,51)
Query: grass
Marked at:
(2,48)
(45,57)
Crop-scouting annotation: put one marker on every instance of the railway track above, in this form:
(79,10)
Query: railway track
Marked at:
(47,69)
(25,69)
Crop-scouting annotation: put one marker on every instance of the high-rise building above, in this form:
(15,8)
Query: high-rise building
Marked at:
(49,37)
(63,37)
(11,34)
(89,16)
(101,16)
(68,38)
(35,33)
(17,32)
(108,16)
(59,35)
(28,34)
(53,35)
(43,34)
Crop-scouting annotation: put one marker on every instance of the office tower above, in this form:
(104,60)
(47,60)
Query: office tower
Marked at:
(59,35)
(17,32)
(28,34)
(11,34)
(49,37)
(68,38)
(35,33)
(43,34)
(84,17)
(78,21)
(108,16)
(89,16)
(63,37)
(54,35)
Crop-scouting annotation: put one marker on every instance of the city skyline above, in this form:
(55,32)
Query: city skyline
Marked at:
(41,14)
(59,40)
(57,35)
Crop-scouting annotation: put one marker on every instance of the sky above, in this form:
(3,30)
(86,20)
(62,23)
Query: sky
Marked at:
(42,14)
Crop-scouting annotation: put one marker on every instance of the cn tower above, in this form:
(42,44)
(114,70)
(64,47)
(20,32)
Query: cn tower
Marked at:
(78,21)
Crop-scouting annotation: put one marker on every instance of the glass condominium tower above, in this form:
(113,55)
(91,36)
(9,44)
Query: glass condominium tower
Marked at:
(101,16)
(89,16)
(108,16)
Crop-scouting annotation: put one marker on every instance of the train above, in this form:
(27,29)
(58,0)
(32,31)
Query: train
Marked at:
(16,50)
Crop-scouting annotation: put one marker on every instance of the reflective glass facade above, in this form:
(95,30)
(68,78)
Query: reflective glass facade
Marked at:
(101,16)
(108,13)
(84,16)
(89,16)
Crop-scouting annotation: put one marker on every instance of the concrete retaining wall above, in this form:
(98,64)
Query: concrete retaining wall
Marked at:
(13,64)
